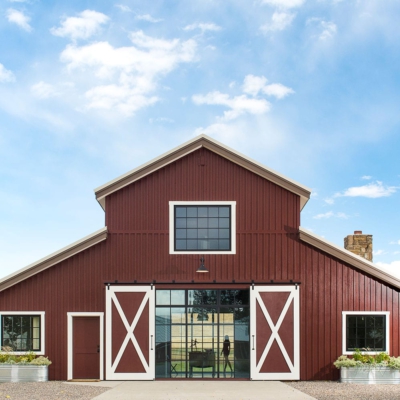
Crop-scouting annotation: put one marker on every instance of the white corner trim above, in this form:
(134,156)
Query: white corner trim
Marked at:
(42,328)
(172,205)
(344,315)
(70,325)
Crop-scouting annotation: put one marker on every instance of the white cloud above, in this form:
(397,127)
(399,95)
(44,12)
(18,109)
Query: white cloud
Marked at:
(19,18)
(329,201)
(161,120)
(148,18)
(284,3)
(238,105)
(366,177)
(243,104)
(328,30)
(395,242)
(254,84)
(277,90)
(279,22)
(43,90)
(133,70)
(378,252)
(203,27)
(6,75)
(120,97)
(331,214)
(85,25)
(392,268)
(372,190)
(123,7)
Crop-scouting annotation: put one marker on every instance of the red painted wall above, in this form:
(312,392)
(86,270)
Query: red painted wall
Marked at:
(268,247)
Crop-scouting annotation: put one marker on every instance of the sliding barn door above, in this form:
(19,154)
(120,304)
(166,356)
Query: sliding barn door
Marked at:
(275,333)
(130,333)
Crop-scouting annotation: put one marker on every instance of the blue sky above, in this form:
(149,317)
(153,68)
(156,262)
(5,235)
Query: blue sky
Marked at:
(92,89)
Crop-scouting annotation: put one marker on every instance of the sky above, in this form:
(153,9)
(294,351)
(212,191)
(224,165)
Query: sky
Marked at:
(92,89)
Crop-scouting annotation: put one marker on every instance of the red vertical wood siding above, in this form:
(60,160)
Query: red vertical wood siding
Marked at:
(268,247)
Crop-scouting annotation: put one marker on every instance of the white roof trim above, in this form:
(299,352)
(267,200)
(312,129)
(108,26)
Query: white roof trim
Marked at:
(348,257)
(53,258)
(188,147)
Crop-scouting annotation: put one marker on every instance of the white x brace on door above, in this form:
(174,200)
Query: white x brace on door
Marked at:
(130,333)
(275,333)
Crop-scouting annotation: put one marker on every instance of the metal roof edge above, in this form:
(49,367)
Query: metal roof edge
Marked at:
(54,258)
(348,257)
(201,141)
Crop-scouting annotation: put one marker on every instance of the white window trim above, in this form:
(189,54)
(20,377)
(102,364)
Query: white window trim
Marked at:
(70,325)
(172,205)
(346,313)
(42,328)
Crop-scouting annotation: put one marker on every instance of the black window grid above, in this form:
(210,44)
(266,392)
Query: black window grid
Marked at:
(202,228)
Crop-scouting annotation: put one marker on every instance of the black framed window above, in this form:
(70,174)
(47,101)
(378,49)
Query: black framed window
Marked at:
(366,332)
(202,228)
(21,332)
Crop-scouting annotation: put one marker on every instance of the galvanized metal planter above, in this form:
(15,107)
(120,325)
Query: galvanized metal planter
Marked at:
(23,373)
(370,375)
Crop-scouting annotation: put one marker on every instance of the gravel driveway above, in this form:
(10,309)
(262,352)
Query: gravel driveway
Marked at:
(318,389)
(49,391)
(328,390)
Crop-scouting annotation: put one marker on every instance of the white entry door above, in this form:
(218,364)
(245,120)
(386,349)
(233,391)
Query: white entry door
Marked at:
(130,333)
(275,333)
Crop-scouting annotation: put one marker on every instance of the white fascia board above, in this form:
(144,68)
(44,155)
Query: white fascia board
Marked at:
(348,257)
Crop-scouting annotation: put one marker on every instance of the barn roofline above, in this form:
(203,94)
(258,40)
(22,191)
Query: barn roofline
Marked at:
(100,235)
(54,258)
(192,145)
(348,257)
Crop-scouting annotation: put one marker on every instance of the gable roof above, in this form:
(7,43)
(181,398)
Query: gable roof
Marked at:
(54,258)
(348,257)
(192,145)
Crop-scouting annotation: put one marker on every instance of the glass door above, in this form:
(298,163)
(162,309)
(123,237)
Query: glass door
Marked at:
(202,334)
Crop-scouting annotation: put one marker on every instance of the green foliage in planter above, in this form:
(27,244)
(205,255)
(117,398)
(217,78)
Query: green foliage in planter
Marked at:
(40,361)
(394,362)
(344,361)
(29,358)
(360,360)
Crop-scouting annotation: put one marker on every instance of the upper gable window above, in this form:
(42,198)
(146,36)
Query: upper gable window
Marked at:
(203,227)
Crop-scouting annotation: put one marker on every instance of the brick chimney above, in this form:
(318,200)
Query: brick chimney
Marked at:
(359,244)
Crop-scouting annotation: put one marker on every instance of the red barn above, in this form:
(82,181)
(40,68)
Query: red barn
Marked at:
(202,271)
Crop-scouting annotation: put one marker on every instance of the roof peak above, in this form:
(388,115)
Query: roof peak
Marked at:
(190,146)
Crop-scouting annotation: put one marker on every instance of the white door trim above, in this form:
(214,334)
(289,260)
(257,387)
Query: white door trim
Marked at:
(111,367)
(70,331)
(294,367)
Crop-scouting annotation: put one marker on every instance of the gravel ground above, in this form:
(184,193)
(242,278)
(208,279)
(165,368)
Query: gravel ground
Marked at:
(318,389)
(336,390)
(49,391)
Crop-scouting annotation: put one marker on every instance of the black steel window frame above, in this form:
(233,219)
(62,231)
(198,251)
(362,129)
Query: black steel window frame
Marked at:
(11,342)
(178,228)
(363,333)
(214,302)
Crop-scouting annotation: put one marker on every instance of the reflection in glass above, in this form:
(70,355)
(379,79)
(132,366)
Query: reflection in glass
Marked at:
(189,338)
(178,297)
(163,297)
